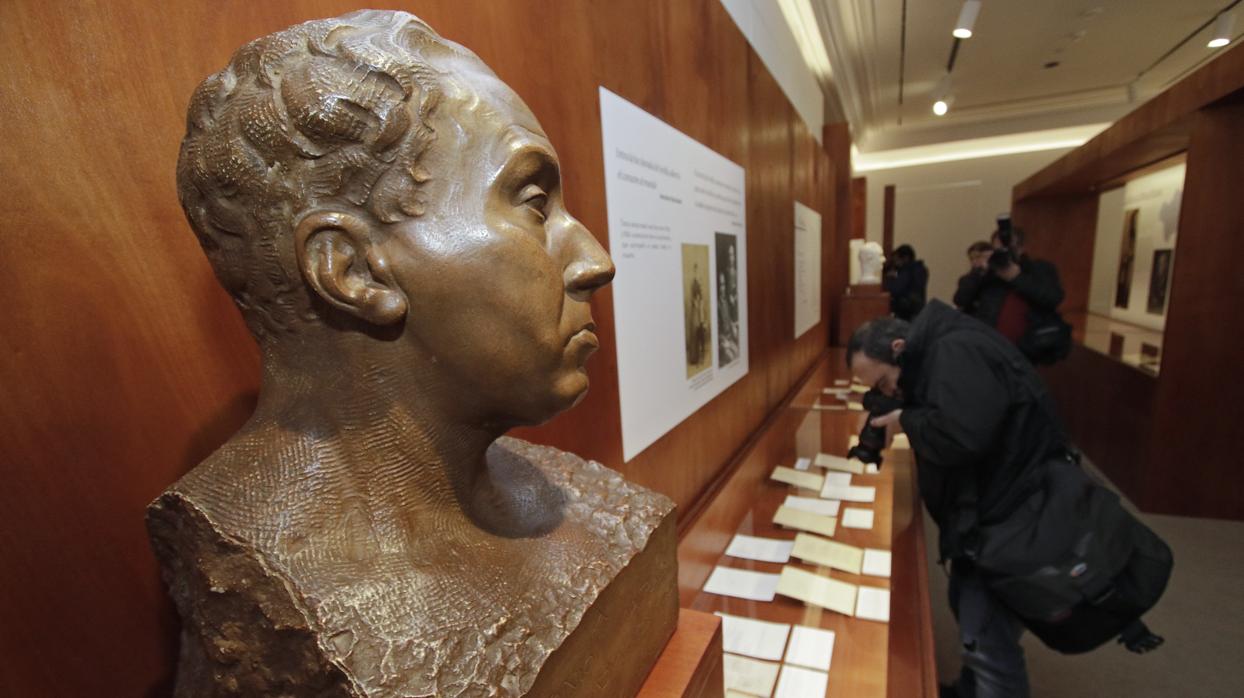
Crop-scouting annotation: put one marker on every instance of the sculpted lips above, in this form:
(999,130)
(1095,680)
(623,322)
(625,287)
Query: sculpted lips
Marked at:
(584,341)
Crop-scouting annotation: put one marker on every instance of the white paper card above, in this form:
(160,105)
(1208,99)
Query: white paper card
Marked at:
(808,481)
(835,391)
(811,647)
(900,442)
(742,584)
(855,406)
(859,388)
(838,479)
(873,604)
(842,382)
(871,469)
(814,589)
(797,682)
(849,493)
(803,464)
(828,553)
(857,518)
(807,268)
(805,521)
(762,549)
(876,562)
(828,408)
(816,505)
(754,638)
(839,463)
(750,676)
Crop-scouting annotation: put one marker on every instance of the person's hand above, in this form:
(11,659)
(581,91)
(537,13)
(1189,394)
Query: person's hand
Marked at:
(1009,272)
(891,423)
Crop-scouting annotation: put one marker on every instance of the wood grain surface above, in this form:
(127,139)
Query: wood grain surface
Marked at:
(870,658)
(125,364)
(1155,436)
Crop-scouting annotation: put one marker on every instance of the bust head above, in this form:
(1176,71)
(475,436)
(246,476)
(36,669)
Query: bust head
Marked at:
(871,258)
(370,193)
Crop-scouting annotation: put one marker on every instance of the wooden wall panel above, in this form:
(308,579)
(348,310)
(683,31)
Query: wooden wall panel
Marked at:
(125,364)
(1062,230)
(1161,441)
(1107,407)
(1194,468)
(848,208)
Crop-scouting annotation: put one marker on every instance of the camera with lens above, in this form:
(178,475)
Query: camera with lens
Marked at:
(872,439)
(1004,256)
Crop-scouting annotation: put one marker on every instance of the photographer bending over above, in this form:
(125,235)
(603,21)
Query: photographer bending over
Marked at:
(977,417)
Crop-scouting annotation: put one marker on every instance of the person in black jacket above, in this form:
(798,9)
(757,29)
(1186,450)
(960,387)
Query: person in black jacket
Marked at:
(978,264)
(1013,292)
(981,425)
(906,280)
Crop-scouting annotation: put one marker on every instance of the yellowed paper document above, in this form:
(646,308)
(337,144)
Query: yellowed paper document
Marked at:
(839,463)
(820,591)
(750,676)
(792,517)
(828,553)
(798,478)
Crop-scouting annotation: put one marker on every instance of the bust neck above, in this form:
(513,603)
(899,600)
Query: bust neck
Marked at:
(374,426)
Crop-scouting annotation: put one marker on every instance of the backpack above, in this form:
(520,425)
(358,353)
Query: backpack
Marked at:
(1047,339)
(1075,566)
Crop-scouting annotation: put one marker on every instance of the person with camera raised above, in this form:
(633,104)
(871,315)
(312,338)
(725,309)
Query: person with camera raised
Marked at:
(906,279)
(1017,295)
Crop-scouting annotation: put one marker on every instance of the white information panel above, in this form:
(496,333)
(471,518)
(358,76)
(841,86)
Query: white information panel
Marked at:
(807,269)
(677,234)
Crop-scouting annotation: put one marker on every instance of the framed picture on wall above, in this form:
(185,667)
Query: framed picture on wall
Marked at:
(1127,259)
(1159,281)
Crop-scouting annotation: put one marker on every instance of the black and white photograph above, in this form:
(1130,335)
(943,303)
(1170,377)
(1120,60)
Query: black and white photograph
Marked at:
(727,299)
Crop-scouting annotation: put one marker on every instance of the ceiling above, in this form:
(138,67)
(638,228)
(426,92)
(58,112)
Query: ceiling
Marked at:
(887,58)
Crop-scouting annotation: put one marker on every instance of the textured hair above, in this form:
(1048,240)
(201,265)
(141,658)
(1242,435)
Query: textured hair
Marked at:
(906,252)
(979,246)
(875,338)
(329,111)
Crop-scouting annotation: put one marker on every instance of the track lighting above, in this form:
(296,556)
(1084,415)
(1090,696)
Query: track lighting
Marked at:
(967,19)
(1223,26)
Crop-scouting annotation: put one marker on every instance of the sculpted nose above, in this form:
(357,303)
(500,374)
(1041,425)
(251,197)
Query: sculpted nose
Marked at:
(590,266)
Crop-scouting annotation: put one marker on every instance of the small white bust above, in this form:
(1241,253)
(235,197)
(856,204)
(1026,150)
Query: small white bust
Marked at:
(871,258)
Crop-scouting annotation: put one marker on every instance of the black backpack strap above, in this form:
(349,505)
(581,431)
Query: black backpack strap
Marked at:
(965,529)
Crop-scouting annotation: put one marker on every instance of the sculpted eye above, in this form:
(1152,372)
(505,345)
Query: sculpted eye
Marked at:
(534,198)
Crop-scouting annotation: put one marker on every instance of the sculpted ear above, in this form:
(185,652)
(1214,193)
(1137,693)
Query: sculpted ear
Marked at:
(340,263)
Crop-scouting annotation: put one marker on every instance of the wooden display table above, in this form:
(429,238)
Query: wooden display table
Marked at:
(870,659)
(690,666)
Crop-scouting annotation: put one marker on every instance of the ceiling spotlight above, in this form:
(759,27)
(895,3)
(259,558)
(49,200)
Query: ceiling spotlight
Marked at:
(967,19)
(942,99)
(1223,26)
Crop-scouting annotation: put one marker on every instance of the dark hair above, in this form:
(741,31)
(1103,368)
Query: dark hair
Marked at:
(905,252)
(875,337)
(979,246)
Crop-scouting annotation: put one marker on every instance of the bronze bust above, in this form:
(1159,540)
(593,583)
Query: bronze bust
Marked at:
(387,215)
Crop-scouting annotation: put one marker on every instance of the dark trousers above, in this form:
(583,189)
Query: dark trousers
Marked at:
(993,661)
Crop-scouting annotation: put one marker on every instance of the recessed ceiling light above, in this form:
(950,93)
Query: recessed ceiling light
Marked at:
(1223,27)
(967,19)
(940,107)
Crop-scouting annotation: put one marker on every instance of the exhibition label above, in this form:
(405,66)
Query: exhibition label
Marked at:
(677,235)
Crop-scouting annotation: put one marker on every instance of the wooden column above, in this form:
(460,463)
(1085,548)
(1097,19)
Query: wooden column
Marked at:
(887,224)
